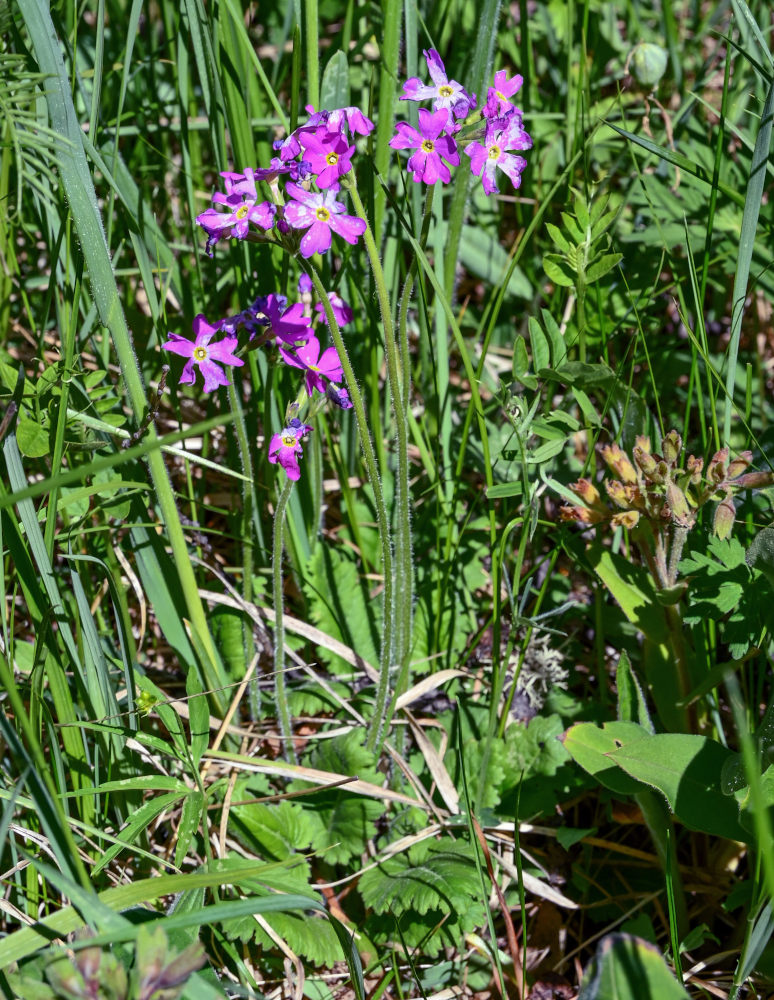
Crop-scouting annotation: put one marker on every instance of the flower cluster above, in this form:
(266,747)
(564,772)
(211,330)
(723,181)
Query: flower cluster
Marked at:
(661,489)
(434,143)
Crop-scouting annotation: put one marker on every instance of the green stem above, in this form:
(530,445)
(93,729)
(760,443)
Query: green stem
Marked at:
(385,660)
(247,514)
(283,713)
(399,379)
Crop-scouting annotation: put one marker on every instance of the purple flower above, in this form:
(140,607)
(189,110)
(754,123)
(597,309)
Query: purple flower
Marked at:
(241,209)
(328,154)
(338,395)
(498,97)
(341,311)
(288,325)
(447,94)
(502,134)
(426,164)
(318,369)
(320,213)
(286,449)
(341,119)
(204,354)
(305,285)
(297,171)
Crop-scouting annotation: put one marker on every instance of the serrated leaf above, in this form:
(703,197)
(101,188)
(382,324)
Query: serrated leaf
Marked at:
(533,749)
(278,829)
(558,270)
(601,267)
(442,877)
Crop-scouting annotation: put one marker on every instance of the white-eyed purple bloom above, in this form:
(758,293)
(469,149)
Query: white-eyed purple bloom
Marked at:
(342,312)
(286,449)
(319,214)
(286,324)
(498,98)
(426,164)
(208,357)
(328,154)
(319,370)
(502,135)
(445,93)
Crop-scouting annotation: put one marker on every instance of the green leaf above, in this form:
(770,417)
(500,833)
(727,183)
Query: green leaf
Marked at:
(190,818)
(541,352)
(633,589)
(601,267)
(334,90)
(558,237)
(438,875)
(760,555)
(629,968)
(590,746)
(32,437)
(686,769)
(483,255)
(632,706)
(558,270)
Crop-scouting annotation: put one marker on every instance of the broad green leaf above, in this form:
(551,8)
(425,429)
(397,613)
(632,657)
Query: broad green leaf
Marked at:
(633,590)
(558,270)
(334,90)
(541,353)
(686,769)
(589,746)
(629,968)
(558,237)
(32,436)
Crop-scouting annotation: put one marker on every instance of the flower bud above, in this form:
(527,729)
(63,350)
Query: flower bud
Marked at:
(681,512)
(648,64)
(671,447)
(644,459)
(584,515)
(625,519)
(755,480)
(618,462)
(694,467)
(725,514)
(716,470)
(586,491)
(738,465)
(617,493)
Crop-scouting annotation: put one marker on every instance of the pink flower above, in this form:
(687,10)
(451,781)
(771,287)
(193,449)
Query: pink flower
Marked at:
(318,369)
(201,352)
(342,313)
(329,155)
(446,94)
(502,135)
(286,449)
(498,97)
(286,324)
(341,119)
(320,213)
(242,209)
(426,164)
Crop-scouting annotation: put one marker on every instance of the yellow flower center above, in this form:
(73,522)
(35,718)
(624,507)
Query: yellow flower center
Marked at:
(494,152)
(332,159)
(242,211)
(445,90)
(200,353)
(501,96)
(323,214)
(428,146)
(288,440)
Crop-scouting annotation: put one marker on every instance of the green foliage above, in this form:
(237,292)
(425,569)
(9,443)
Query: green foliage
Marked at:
(628,968)
(583,245)
(434,883)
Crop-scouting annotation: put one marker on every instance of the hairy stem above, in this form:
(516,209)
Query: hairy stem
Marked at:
(283,713)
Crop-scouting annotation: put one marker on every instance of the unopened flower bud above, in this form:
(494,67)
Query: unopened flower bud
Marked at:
(716,470)
(738,465)
(584,515)
(586,491)
(617,493)
(625,519)
(681,512)
(648,64)
(644,459)
(618,462)
(694,466)
(755,480)
(671,447)
(725,514)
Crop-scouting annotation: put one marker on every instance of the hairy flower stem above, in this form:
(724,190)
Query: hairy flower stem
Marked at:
(247,514)
(283,713)
(376,727)
(399,381)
